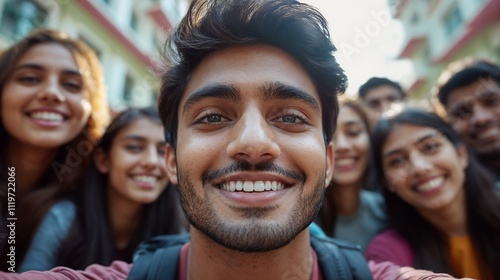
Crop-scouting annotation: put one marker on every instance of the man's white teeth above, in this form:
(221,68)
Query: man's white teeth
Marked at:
(146,179)
(250,186)
(47,116)
(488,133)
(430,185)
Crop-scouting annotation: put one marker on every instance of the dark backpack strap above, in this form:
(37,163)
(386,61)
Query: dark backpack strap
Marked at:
(340,260)
(158,258)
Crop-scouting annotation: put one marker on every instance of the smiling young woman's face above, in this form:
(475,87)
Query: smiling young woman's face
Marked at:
(423,167)
(136,165)
(43,103)
(352,148)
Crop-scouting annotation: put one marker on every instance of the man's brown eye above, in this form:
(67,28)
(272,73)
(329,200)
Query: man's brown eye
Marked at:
(289,119)
(214,118)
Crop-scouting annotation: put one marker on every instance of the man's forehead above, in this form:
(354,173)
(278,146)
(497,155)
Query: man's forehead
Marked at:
(250,66)
(382,91)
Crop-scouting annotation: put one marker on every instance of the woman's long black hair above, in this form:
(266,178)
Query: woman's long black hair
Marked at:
(90,239)
(482,204)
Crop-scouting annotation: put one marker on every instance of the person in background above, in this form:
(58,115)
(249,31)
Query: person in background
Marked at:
(350,211)
(469,92)
(441,202)
(124,200)
(379,94)
(53,109)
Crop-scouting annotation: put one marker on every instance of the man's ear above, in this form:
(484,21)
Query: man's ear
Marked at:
(171,164)
(101,161)
(330,162)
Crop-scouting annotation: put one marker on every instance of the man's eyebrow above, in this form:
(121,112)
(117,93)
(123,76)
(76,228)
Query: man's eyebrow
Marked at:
(40,68)
(212,91)
(277,90)
(419,140)
(491,91)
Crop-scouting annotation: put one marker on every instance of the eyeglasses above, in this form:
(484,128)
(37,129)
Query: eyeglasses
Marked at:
(465,110)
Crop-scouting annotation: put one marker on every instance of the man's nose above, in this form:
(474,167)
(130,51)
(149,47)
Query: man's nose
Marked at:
(253,139)
(481,115)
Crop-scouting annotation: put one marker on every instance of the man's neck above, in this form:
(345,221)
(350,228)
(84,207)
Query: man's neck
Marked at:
(208,260)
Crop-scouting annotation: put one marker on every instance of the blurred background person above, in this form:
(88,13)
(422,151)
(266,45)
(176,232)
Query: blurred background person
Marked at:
(350,211)
(53,109)
(441,202)
(379,94)
(469,91)
(124,200)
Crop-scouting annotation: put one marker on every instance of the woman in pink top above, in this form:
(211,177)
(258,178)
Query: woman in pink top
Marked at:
(442,204)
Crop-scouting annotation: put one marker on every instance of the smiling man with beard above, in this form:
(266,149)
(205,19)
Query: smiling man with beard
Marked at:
(249,104)
(469,91)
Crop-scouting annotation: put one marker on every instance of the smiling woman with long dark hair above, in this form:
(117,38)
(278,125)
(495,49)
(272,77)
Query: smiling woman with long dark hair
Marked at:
(442,203)
(125,199)
(351,210)
(53,109)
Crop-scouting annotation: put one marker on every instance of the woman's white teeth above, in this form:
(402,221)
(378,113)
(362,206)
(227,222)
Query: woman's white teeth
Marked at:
(432,184)
(345,162)
(47,116)
(250,186)
(146,179)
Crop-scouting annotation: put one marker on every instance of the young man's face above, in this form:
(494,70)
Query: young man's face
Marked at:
(474,112)
(250,160)
(380,99)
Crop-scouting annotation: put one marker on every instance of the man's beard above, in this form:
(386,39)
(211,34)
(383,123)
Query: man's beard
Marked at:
(255,233)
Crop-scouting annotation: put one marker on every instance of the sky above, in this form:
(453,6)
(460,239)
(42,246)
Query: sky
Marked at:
(367,38)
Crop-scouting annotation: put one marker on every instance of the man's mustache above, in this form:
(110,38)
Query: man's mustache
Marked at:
(244,165)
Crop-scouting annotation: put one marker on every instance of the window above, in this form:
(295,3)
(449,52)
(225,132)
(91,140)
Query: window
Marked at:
(453,20)
(20,17)
(133,21)
(415,18)
(127,90)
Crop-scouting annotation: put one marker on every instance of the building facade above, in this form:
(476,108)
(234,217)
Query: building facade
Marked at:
(125,34)
(440,32)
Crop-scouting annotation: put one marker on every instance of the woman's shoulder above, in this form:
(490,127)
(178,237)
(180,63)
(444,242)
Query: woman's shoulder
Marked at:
(374,202)
(390,245)
(62,211)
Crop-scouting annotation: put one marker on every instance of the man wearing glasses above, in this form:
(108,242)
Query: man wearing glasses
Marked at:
(471,98)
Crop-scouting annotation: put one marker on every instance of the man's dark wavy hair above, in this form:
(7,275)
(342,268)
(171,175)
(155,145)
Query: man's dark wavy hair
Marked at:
(377,82)
(470,73)
(212,25)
